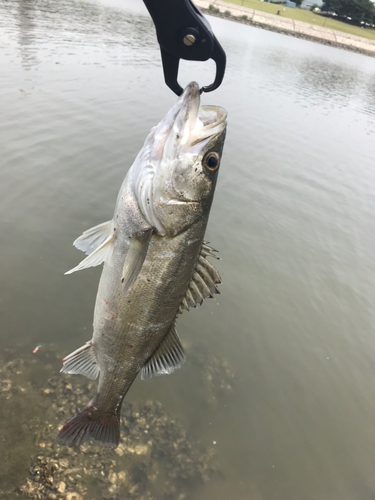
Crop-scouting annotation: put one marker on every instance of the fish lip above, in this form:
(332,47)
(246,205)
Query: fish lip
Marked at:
(194,123)
(185,119)
(192,93)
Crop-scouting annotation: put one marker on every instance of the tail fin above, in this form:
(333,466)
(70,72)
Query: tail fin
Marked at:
(91,425)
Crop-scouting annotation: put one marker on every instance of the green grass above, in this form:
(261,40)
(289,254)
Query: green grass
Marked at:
(306,16)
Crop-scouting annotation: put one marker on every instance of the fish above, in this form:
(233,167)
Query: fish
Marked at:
(155,264)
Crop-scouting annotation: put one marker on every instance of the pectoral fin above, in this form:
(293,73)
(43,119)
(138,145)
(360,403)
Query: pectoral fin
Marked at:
(102,253)
(97,243)
(93,238)
(167,358)
(134,259)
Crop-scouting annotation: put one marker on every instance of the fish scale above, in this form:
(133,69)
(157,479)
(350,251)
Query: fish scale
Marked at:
(148,303)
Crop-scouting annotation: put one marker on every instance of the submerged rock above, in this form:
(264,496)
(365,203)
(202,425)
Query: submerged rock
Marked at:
(155,459)
(218,378)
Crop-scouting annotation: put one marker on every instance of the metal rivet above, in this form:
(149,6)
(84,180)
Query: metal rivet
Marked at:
(189,39)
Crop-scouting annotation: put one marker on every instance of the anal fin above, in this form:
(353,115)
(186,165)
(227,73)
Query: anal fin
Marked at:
(81,362)
(167,358)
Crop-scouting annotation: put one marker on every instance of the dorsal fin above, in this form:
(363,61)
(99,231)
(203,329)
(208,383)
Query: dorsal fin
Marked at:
(207,251)
(167,358)
(204,280)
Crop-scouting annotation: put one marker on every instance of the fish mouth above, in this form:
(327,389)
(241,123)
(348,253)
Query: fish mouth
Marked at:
(194,125)
(185,129)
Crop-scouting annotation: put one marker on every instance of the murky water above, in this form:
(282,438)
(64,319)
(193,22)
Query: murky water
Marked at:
(294,219)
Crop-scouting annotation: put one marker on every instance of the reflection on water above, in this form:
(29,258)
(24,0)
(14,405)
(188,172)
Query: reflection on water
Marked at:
(278,389)
(41,26)
(25,16)
(369,96)
(317,80)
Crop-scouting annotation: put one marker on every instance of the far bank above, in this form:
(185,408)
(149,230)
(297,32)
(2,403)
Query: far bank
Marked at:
(287,26)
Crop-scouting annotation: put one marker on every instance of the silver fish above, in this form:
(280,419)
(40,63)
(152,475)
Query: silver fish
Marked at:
(155,264)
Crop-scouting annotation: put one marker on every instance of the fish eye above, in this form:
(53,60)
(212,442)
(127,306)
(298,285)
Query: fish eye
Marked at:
(211,161)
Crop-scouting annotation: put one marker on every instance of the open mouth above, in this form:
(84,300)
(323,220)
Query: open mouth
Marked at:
(211,121)
(194,124)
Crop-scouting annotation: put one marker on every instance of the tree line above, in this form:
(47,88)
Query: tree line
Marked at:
(359,11)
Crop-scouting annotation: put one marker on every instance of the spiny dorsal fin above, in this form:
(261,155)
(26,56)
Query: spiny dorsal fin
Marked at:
(204,280)
(167,358)
(81,362)
(134,259)
(207,251)
(91,239)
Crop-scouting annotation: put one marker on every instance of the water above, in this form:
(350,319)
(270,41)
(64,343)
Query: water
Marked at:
(80,86)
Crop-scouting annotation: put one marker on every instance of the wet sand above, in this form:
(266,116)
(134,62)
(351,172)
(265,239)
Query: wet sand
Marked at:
(290,27)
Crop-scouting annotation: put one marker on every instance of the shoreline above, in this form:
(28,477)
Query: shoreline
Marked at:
(286,26)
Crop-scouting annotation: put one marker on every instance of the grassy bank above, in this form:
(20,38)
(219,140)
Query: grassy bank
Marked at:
(306,16)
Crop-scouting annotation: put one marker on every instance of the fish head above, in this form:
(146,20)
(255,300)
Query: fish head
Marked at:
(176,184)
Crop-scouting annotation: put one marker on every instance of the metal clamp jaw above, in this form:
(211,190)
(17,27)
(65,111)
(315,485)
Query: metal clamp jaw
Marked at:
(183,33)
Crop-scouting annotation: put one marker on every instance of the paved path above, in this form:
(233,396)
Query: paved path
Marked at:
(289,26)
